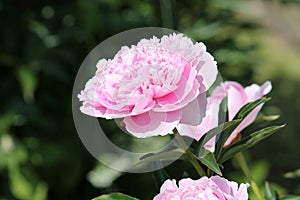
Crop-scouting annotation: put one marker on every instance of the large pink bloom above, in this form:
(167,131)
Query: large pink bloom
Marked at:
(213,188)
(154,85)
(237,97)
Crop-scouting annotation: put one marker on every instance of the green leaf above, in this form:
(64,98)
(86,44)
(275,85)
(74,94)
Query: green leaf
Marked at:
(264,120)
(164,155)
(159,175)
(247,109)
(262,134)
(209,160)
(248,142)
(40,192)
(269,118)
(21,187)
(215,131)
(290,197)
(28,81)
(242,113)
(293,174)
(270,193)
(115,196)
(102,176)
(6,121)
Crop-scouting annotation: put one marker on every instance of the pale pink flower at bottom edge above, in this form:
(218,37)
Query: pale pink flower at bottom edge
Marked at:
(213,188)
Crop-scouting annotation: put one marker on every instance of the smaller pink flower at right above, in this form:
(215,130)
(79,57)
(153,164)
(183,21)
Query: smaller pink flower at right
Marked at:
(238,97)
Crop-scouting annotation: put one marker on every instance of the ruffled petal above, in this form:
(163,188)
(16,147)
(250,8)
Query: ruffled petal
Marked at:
(208,70)
(152,123)
(185,85)
(255,91)
(242,193)
(194,92)
(193,113)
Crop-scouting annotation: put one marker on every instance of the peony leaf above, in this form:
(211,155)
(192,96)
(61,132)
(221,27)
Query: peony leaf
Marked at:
(102,176)
(28,82)
(248,142)
(20,186)
(209,160)
(40,191)
(268,118)
(115,196)
(159,175)
(290,197)
(242,113)
(215,131)
(270,193)
(293,174)
(164,155)
(247,109)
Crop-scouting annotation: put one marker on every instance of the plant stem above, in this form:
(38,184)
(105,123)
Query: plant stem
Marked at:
(190,155)
(166,13)
(243,164)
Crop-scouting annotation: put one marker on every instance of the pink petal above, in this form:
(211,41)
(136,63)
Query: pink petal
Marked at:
(143,104)
(237,98)
(169,185)
(194,92)
(266,88)
(100,111)
(208,70)
(190,131)
(251,93)
(185,183)
(185,85)
(255,91)
(209,122)
(193,113)
(210,145)
(242,193)
(152,123)
(89,109)
(222,183)
(245,123)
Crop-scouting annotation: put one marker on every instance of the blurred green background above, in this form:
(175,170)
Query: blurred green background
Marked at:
(43,43)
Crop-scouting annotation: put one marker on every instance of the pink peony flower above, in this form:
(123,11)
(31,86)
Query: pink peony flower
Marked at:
(154,86)
(237,97)
(213,188)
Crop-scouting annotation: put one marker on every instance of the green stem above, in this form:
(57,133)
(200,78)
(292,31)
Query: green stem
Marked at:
(190,155)
(166,13)
(243,164)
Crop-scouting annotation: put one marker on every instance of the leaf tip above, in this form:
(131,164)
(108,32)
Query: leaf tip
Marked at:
(282,126)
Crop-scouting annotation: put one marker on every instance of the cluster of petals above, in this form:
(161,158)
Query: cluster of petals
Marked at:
(154,85)
(213,188)
(237,97)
